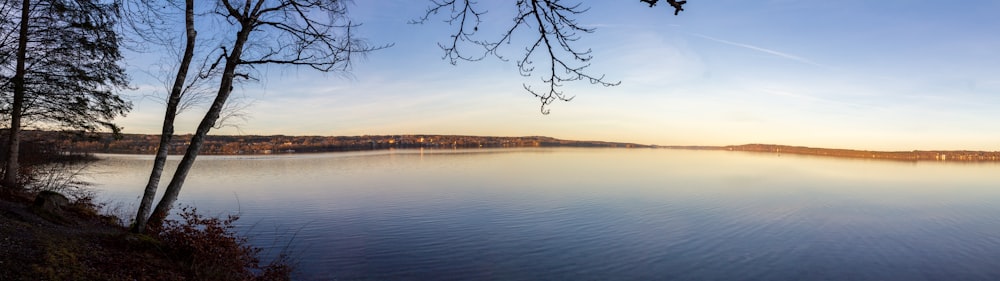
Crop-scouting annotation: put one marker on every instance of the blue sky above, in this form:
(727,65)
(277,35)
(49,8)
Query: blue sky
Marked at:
(886,75)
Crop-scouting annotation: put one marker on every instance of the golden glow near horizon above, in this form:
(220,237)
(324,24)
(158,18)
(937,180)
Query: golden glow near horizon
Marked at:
(895,77)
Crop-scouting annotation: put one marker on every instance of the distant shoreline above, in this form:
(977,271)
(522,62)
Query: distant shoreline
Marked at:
(915,155)
(142,144)
(280,144)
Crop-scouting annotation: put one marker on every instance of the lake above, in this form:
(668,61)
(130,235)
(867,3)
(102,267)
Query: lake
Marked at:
(598,214)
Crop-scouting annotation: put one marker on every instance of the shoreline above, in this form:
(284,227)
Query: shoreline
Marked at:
(965,156)
(251,145)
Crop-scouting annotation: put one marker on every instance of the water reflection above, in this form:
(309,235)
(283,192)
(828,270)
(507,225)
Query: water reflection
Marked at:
(528,214)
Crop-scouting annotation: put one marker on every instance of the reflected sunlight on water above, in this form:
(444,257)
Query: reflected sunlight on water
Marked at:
(598,214)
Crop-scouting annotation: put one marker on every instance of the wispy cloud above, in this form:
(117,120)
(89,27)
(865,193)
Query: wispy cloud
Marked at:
(763,50)
(791,94)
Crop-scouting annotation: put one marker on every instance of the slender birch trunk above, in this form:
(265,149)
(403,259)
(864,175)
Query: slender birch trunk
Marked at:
(167,133)
(225,88)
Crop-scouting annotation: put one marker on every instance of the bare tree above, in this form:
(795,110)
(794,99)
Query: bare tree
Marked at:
(301,33)
(554,31)
(144,19)
(66,73)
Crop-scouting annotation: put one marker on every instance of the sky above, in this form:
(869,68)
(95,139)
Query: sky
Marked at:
(861,74)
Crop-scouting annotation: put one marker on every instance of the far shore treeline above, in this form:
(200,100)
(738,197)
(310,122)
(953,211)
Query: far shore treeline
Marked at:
(281,144)
(916,155)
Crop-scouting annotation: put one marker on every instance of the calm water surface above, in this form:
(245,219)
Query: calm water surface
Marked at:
(600,214)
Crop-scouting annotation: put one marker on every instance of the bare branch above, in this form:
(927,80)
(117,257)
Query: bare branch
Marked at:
(553,28)
(235,113)
(678,5)
(282,32)
(307,40)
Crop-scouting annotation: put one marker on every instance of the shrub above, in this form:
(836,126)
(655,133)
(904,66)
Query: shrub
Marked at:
(208,249)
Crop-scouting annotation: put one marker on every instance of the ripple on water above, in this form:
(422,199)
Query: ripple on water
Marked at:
(607,215)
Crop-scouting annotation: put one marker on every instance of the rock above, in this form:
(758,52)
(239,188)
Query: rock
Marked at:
(49,205)
(51,200)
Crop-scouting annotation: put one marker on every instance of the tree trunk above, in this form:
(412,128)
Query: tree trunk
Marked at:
(225,88)
(14,138)
(168,122)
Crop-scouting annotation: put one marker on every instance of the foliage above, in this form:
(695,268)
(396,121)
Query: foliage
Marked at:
(65,71)
(73,66)
(208,249)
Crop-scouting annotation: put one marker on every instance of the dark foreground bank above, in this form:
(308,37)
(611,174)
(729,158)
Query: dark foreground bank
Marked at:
(54,239)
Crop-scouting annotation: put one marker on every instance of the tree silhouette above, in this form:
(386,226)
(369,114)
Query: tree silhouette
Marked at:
(301,33)
(554,33)
(66,71)
(145,19)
